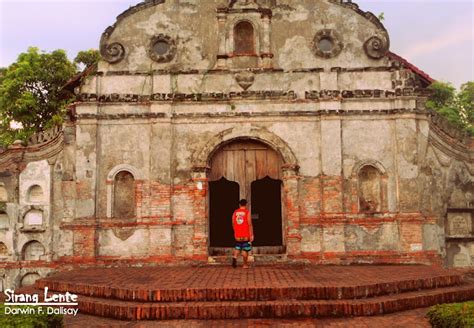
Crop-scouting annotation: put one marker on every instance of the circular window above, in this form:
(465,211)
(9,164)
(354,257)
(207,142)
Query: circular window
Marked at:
(162,48)
(327,43)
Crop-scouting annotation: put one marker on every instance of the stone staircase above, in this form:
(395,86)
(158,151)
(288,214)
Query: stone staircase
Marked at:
(218,292)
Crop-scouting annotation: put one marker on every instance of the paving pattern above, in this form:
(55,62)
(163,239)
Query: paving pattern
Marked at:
(407,319)
(272,291)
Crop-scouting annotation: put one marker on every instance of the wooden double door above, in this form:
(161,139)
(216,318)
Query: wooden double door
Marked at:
(250,170)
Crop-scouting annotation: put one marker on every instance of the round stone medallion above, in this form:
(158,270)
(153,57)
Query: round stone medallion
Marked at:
(327,43)
(162,48)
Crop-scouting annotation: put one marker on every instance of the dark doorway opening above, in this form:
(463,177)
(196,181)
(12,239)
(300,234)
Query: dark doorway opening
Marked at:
(266,212)
(224,200)
(252,170)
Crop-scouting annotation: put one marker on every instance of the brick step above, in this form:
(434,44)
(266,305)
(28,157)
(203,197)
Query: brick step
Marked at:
(256,259)
(250,292)
(289,308)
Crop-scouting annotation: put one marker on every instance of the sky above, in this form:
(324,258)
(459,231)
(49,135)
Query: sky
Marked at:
(435,35)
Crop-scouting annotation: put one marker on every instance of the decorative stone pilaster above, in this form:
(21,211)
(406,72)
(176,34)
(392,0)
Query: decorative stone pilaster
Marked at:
(222,53)
(292,212)
(266,52)
(200,239)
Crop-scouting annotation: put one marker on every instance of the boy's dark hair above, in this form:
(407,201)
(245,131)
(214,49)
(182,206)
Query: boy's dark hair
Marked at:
(243,202)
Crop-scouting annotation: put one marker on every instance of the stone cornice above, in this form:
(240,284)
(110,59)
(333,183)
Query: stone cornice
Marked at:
(300,113)
(314,95)
(253,70)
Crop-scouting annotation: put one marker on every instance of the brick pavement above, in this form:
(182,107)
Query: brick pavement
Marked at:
(407,319)
(215,283)
(277,291)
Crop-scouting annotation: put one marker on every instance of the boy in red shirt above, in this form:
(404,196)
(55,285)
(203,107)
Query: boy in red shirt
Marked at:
(243,233)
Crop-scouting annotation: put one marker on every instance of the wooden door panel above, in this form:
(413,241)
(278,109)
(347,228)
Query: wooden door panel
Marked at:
(266,209)
(223,201)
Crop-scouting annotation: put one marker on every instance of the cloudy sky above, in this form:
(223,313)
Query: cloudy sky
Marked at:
(435,35)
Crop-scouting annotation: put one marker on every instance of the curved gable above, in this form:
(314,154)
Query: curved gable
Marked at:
(198,35)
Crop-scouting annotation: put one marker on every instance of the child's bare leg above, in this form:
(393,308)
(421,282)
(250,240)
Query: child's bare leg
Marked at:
(235,253)
(245,255)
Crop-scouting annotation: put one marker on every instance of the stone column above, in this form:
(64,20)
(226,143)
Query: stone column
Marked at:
(292,212)
(200,238)
(222,51)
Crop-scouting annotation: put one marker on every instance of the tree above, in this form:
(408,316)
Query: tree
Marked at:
(456,107)
(31,92)
(87,57)
(466,98)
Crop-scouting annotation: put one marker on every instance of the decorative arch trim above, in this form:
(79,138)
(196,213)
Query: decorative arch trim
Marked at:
(202,157)
(137,175)
(376,164)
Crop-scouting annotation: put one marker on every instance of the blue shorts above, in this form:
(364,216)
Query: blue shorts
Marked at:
(243,246)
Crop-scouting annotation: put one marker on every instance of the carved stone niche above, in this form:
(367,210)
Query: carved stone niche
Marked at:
(459,229)
(327,43)
(33,251)
(244,35)
(33,220)
(4,220)
(3,250)
(459,224)
(162,48)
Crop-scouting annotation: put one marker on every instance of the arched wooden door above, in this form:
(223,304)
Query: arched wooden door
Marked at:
(256,168)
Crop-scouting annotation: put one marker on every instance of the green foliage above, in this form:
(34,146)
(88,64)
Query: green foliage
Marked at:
(31,93)
(457,107)
(36,320)
(381,16)
(466,97)
(87,57)
(458,315)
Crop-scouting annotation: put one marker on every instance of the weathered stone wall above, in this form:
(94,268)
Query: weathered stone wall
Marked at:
(368,173)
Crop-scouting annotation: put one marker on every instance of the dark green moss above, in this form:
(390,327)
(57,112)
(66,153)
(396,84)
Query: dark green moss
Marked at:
(36,320)
(457,315)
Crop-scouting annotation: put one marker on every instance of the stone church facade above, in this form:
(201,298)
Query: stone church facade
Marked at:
(298,106)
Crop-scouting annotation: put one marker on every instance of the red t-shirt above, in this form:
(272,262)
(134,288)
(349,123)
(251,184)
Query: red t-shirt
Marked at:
(240,221)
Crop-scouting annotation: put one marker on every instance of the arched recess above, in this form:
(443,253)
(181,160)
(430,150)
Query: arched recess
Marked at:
(3,194)
(244,38)
(371,187)
(124,195)
(4,221)
(125,176)
(35,194)
(32,251)
(29,279)
(3,250)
